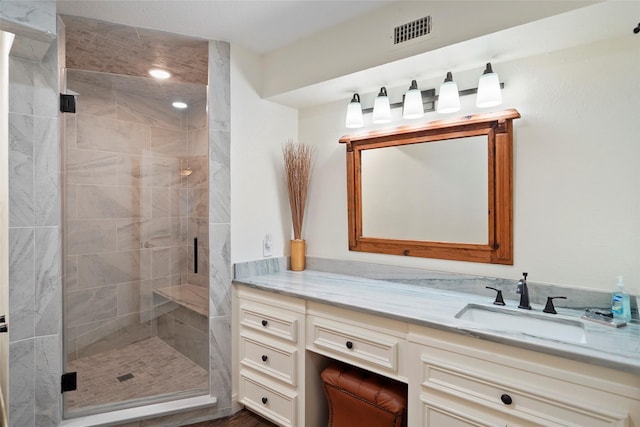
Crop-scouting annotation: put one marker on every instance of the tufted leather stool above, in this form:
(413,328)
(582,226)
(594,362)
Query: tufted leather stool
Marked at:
(358,398)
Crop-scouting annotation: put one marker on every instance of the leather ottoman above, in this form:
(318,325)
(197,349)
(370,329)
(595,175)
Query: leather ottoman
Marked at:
(358,398)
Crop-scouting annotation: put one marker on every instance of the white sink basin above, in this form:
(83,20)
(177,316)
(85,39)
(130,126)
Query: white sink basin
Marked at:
(533,324)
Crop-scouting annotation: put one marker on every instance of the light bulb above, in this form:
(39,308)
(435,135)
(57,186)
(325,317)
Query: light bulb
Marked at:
(381,108)
(412,107)
(489,93)
(354,113)
(449,98)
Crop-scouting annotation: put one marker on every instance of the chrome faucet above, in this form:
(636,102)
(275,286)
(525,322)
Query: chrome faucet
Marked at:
(524,292)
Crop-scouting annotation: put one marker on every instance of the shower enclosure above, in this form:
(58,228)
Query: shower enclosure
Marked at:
(136,238)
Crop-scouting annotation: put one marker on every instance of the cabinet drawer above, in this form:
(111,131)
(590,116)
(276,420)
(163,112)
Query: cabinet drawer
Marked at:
(269,358)
(527,403)
(269,321)
(346,341)
(275,403)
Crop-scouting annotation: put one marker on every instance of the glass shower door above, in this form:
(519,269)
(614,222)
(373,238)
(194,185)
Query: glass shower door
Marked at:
(136,184)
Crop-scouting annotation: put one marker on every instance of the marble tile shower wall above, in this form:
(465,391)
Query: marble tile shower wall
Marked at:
(130,214)
(35,289)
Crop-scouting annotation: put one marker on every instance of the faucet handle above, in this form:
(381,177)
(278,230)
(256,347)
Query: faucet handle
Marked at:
(499,300)
(549,308)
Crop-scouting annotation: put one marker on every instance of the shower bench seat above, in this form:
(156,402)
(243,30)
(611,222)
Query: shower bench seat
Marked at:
(182,320)
(191,297)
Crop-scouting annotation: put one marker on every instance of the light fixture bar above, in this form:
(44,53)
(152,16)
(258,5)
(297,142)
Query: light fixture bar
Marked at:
(429,98)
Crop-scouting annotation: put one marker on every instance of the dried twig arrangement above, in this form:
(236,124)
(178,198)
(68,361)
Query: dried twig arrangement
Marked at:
(297,166)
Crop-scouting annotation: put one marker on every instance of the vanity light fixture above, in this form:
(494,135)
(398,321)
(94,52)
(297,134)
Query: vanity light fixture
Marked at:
(412,107)
(489,93)
(179,105)
(416,102)
(159,74)
(448,98)
(354,113)
(381,107)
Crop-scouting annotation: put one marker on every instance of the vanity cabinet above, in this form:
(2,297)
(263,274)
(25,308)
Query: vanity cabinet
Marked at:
(269,341)
(462,381)
(453,380)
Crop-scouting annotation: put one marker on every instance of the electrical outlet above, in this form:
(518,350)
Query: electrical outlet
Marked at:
(266,245)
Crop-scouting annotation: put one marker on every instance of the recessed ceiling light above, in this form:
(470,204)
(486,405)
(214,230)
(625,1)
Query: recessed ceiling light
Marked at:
(179,104)
(159,74)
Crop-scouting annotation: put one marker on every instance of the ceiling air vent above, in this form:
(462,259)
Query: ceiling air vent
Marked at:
(411,30)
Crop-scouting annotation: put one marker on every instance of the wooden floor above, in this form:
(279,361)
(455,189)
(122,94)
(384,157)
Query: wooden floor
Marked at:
(243,418)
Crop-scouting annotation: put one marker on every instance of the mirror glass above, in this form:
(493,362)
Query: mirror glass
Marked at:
(451,205)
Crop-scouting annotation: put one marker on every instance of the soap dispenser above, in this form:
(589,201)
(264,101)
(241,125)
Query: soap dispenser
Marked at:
(620,302)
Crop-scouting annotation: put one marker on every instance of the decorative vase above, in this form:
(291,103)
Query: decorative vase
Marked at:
(297,254)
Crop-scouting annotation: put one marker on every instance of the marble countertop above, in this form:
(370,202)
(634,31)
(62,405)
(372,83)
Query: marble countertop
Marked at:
(617,348)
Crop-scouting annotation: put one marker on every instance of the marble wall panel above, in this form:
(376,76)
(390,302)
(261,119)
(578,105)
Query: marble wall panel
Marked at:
(112,268)
(165,202)
(92,100)
(219,88)
(48,364)
(91,236)
(148,233)
(34,14)
(219,171)
(47,190)
(107,201)
(132,170)
(21,86)
(192,342)
(46,98)
(98,133)
(22,396)
(166,262)
(70,280)
(89,305)
(165,172)
(199,142)
(220,270)
(169,142)
(197,116)
(220,359)
(48,281)
(128,298)
(92,167)
(21,171)
(198,202)
(70,131)
(22,280)
(134,108)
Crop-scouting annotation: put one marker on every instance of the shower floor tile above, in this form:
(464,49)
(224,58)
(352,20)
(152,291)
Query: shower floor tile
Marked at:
(146,368)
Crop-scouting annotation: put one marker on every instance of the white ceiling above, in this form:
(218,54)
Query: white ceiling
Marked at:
(260,25)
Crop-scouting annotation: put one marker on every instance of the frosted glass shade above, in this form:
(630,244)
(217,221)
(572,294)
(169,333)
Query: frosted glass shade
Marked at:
(412,107)
(489,93)
(354,113)
(381,108)
(448,99)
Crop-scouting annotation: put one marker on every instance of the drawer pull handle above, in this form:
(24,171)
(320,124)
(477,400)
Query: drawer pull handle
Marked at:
(349,345)
(264,358)
(264,323)
(264,400)
(506,399)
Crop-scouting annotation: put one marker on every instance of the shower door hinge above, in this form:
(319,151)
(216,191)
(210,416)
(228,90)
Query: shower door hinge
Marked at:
(69,381)
(67,103)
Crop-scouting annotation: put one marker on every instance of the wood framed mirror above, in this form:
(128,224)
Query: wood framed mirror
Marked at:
(439,190)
